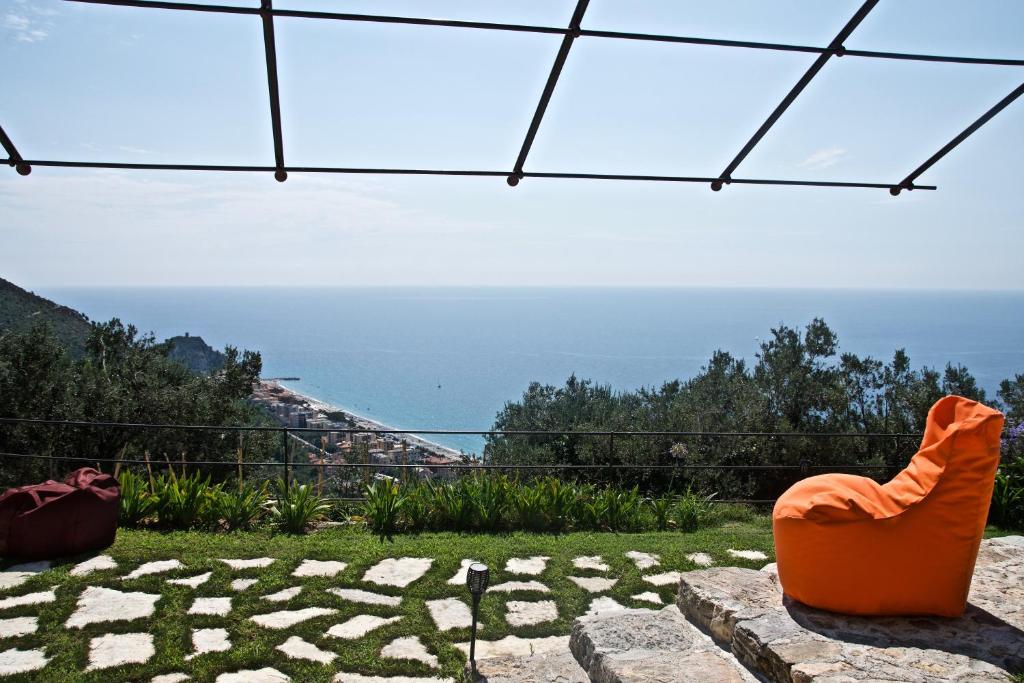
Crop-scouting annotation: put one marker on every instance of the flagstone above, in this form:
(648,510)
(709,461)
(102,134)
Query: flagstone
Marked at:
(643,560)
(243,584)
(664,579)
(359,678)
(297,648)
(93,564)
(595,562)
(170,678)
(359,626)
(593,584)
(460,576)
(649,596)
(700,559)
(602,605)
(522,613)
(28,599)
(284,595)
(264,675)
(191,582)
(287,618)
(449,613)
(18,626)
(157,567)
(118,649)
(17,574)
(398,572)
(97,605)
(409,647)
(527,565)
(15,661)
(512,586)
(216,607)
(747,554)
(252,563)
(209,640)
(366,597)
(514,646)
(319,568)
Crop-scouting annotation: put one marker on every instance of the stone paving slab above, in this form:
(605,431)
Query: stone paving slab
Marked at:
(786,641)
(544,667)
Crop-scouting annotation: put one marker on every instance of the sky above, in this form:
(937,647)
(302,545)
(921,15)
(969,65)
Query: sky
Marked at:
(89,82)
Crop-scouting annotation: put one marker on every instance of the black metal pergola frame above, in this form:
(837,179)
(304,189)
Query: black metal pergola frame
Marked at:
(267,13)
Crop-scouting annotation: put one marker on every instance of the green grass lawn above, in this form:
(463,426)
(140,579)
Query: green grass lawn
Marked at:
(253,647)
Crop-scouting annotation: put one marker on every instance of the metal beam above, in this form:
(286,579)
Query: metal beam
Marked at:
(834,48)
(13,158)
(549,88)
(550,30)
(270,48)
(454,172)
(908,182)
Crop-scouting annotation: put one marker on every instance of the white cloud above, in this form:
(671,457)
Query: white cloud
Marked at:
(25,29)
(823,158)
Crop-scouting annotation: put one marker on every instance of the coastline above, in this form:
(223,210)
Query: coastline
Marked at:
(360,421)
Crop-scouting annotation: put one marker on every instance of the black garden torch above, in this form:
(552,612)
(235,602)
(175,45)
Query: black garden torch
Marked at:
(477,578)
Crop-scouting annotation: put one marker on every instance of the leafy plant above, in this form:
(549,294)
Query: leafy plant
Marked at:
(383,506)
(137,501)
(694,511)
(297,506)
(620,509)
(661,507)
(184,502)
(241,510)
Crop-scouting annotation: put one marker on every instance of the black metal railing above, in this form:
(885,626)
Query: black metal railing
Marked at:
(258,452)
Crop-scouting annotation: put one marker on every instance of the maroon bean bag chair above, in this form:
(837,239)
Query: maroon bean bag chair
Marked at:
(53,519)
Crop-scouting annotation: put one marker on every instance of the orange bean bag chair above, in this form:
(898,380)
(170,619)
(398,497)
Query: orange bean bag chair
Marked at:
(848,544)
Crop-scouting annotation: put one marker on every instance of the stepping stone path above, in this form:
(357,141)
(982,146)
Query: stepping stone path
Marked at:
(460,576)
(97,605)
(747,554)
(398,572)
(409,648)
(450,613)
(664,579)
(319,568)
(359,626)
(603,605)
(593,584)
(513,586)
(264,675)
(28,599)
(366,597)
(18,626)
(514,646)
(158,567)
(15,575)
(297,648)
(700,559)
(17,661)
(532,566)
(95,564)
(192,582)
(170,678)
(118,649)
(254,563)
(359,678)
(288,618)
(215,607)
(284,595)
(243,584)
(529,613)
(595,562)
(650,597)
(209,640)
(643,560)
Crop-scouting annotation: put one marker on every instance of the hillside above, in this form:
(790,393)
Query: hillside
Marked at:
(19,309)
(195,354)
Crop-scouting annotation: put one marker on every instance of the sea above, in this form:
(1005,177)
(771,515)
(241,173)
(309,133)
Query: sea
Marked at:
(438,358)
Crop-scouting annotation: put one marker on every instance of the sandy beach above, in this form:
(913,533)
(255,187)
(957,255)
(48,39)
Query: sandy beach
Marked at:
(283,392)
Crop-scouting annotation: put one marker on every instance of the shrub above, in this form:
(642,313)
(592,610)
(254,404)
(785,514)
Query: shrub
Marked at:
(1007,509)
(137,501)
(297,506)
(383,506)
(243,509)
(660,508)
(185,502)
(694,511)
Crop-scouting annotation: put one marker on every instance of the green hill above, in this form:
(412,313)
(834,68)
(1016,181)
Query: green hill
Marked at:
(195,354)
(19,309)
